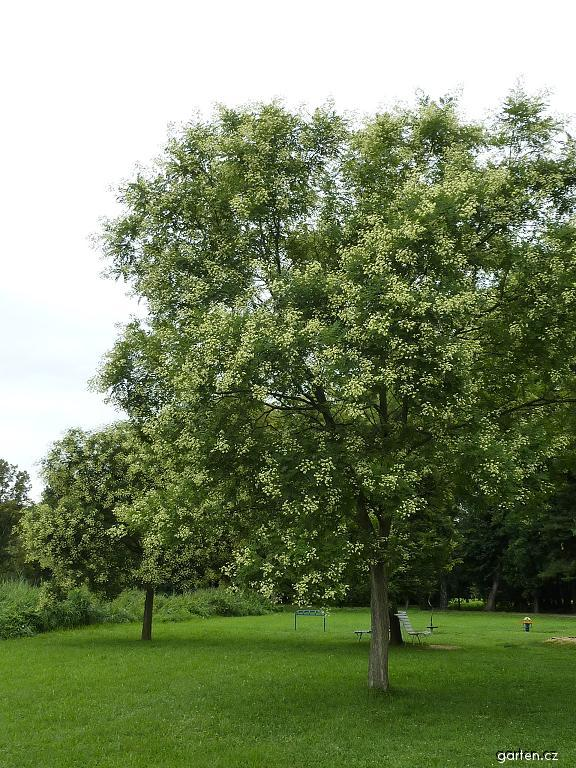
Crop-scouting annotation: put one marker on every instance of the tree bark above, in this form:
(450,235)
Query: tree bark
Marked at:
(147,620)
(491,601)
(443,595)
(380,625)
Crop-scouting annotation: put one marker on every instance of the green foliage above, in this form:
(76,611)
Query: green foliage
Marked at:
(127,606)
(110,519)
(18,609)
(26,610)
(349,328)
(529,547)
(467,604)
(77,608)
(76,533)
(181,607)
(14,489)
(350,331)
(213,602)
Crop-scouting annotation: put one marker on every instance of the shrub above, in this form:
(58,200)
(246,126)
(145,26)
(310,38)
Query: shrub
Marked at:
(467,605)
(213,602)
(127,606)
(26,610)
(78,608)
(18,606)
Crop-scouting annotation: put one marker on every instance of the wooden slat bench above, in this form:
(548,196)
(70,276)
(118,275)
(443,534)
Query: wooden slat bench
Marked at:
(409,629)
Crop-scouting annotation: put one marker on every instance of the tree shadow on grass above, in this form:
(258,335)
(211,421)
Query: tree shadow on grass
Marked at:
(212,640)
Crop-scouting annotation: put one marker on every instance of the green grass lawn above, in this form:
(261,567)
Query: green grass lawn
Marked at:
(244,692)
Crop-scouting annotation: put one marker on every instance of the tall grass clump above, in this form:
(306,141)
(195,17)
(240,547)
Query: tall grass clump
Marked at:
(26,610)
(219,601)
(18,609)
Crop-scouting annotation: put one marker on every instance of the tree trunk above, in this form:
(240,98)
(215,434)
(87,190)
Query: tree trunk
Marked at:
(443,595)
(395,629)
(491,601)
(380,625)
(565,599)
(536,602)
(147,620)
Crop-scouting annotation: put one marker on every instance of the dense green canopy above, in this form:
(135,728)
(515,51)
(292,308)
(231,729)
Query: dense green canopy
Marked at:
(349,326)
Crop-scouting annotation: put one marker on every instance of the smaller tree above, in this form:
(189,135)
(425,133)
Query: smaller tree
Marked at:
(111,518)
(76,532)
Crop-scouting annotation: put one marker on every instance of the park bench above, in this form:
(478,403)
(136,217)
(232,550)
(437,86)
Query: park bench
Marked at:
(310,612)
(406,623)
(409,629)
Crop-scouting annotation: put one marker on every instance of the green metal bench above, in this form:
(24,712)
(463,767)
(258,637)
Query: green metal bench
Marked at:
(310,612)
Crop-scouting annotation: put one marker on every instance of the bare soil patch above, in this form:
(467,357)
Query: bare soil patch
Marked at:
(441,647)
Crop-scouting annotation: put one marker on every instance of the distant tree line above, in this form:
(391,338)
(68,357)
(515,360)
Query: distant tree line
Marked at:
(14,500)
(524,560)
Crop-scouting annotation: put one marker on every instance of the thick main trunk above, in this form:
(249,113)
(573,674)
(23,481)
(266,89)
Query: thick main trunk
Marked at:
(147,620)
(379,638)
(491,601)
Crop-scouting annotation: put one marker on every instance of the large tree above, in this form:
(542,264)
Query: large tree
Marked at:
(347,323)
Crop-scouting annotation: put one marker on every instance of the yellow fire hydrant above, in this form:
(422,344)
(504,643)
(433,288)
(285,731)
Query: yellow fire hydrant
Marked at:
(527,621)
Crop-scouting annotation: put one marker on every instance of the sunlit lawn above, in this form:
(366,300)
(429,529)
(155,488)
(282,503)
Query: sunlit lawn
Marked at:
(231,692)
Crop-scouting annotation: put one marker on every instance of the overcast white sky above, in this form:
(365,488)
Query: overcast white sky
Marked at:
(89,88)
